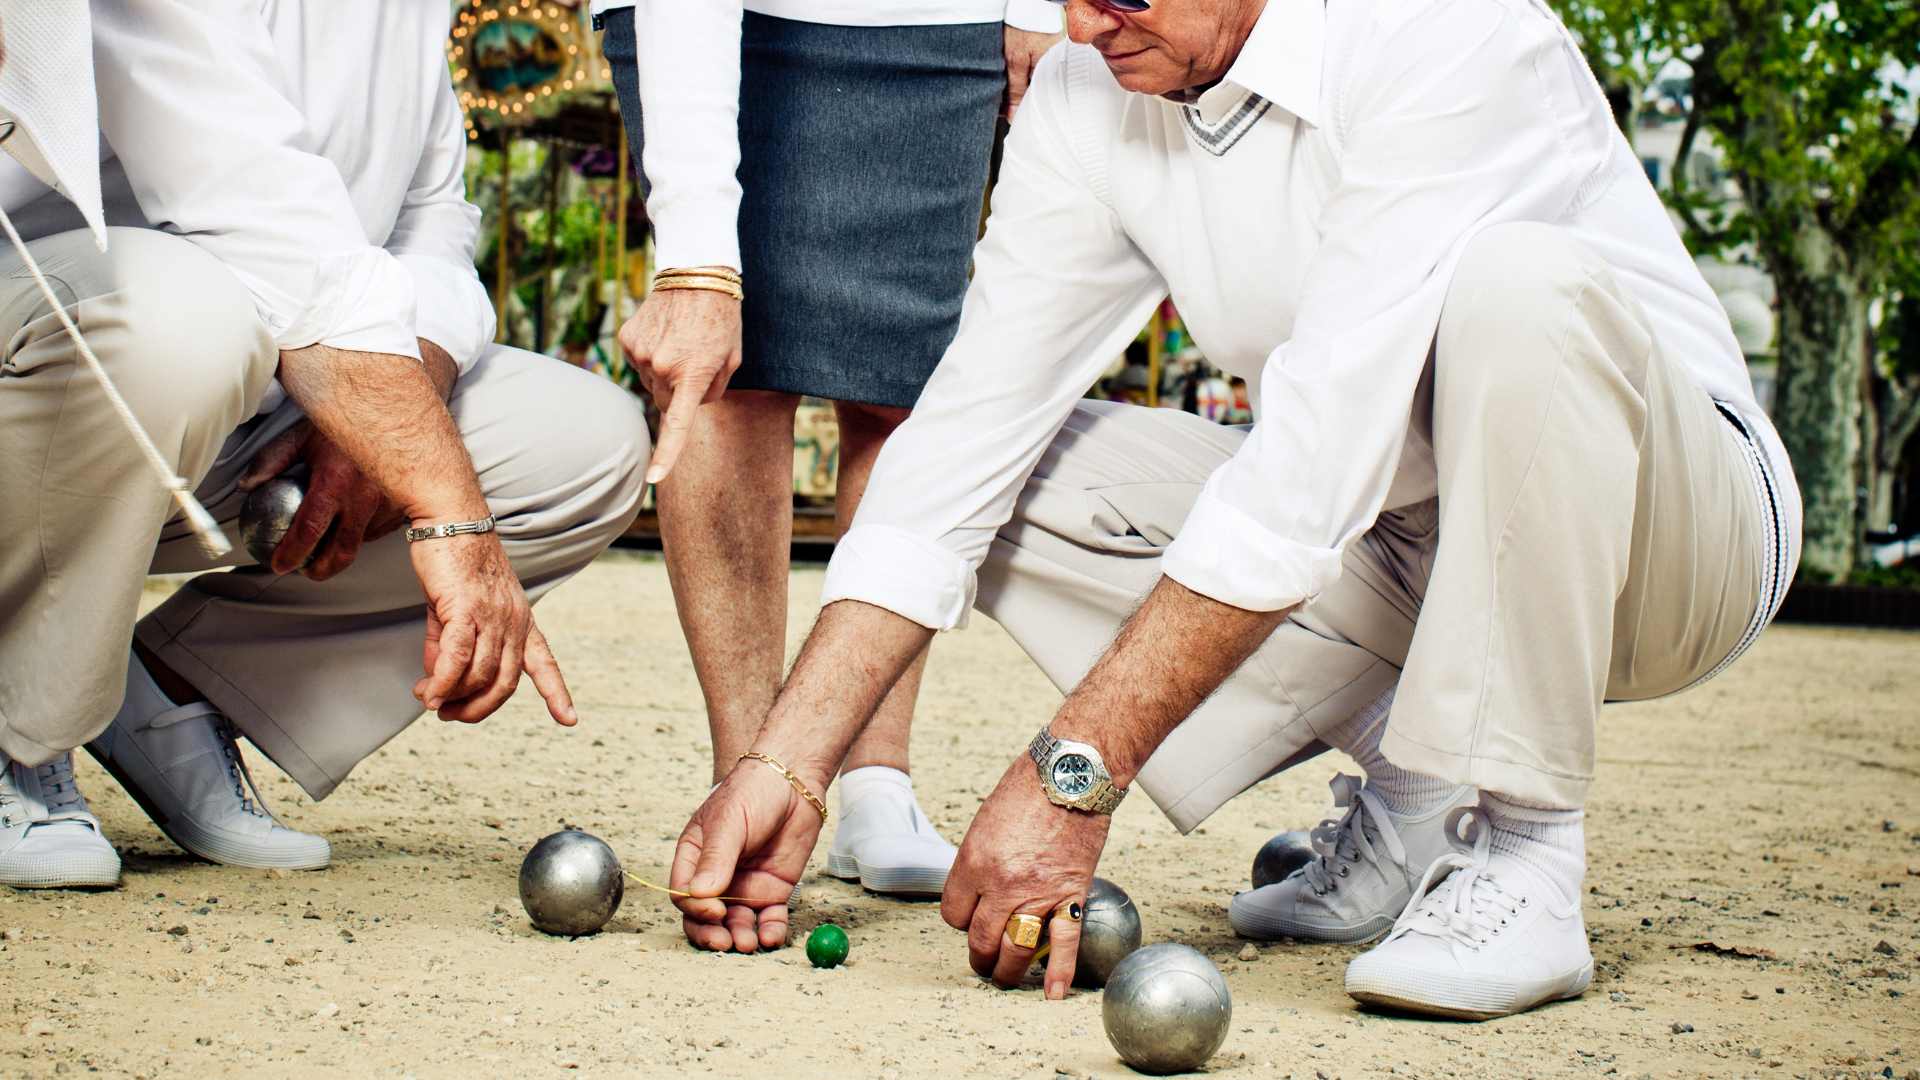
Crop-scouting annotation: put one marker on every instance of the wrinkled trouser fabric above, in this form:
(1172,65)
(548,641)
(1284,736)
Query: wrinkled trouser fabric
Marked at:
(1597,536)
(318,675)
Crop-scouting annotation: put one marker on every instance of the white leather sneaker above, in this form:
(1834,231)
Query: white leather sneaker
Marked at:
(182,765)
(1369,862)
(884,841)
(1485,936)
(48,837)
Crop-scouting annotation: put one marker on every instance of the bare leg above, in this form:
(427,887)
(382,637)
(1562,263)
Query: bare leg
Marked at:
(863,430)
(726,522)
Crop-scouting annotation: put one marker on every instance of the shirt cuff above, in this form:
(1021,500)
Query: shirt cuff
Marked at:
(1041,16)
(1224,554)
(702,231)
(452,310)
(361,303)
(907,574)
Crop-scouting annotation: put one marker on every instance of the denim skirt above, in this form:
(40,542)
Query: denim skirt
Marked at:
(863,163)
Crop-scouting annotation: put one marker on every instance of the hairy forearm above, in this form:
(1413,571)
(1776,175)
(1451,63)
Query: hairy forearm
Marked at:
(852,658)
(1168,658)
(384,412)
(441,371)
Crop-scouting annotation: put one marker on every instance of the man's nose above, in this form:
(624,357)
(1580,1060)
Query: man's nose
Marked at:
(1087,20)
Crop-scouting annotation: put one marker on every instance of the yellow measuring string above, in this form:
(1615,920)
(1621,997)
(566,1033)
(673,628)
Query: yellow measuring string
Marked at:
(638,880)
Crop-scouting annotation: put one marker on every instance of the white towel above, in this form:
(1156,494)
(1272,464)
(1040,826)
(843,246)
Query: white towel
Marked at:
(46,89)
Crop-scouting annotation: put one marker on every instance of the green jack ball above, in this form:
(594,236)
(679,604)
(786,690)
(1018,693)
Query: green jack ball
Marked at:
(827,946)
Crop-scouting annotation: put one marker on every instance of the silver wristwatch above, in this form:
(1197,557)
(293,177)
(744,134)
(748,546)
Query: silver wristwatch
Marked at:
(1073,775)
(451,528)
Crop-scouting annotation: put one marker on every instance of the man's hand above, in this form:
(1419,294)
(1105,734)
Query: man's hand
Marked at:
(480,633)
(685,343)
(385,413)
(1024,48)
(749,840)
(342,509)
(1022,854)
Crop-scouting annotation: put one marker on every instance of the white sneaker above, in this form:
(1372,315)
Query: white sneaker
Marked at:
(182,765)
(884,840)
(1493,937)
(1369,862)
(48,837)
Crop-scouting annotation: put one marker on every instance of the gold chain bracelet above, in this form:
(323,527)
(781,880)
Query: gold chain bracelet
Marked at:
(799,785)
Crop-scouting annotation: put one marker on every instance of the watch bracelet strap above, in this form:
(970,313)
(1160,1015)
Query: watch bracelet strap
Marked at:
(415,534)
(1042,746)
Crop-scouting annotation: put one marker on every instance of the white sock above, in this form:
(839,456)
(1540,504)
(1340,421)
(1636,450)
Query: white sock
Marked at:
(1406,793)
(858,784)
(1553,842)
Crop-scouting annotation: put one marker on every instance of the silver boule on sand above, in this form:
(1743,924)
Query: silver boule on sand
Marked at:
(1109,930)
(1166,1009)
(571,884)
(267,514)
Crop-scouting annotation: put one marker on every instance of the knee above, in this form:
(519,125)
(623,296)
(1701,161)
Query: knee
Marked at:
(1520,296)
(602,449)
(184,333)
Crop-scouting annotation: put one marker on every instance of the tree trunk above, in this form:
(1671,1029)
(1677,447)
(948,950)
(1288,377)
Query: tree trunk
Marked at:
(1822,334)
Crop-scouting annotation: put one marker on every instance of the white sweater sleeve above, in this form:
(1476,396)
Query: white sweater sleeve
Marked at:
(688,54)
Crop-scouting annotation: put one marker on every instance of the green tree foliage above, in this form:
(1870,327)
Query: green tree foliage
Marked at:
(1810,103)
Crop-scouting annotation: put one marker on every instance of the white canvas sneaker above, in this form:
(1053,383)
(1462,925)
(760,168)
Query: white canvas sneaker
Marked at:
(1369,861)
(885,842)
(1484,937)
(181,763)
(49,839)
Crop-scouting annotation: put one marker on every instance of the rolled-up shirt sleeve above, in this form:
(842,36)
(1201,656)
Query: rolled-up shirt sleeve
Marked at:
(688,55)
(1042,16)
(196,107)
(434,237)
(1457,123)
(1058,290)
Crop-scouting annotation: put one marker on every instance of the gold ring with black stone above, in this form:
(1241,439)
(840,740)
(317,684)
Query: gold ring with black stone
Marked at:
(1024,930)
(1071,910)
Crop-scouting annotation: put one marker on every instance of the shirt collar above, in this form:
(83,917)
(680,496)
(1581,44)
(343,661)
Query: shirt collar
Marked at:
(1282,56)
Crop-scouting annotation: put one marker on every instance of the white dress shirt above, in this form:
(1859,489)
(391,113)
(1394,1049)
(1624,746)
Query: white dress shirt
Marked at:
(46,92)
(315,147)
(688,53)
(1305,214)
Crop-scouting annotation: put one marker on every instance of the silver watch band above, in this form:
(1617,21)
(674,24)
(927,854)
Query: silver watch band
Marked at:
(451,528)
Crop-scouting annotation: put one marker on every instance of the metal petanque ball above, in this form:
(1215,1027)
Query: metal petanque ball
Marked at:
(267,514)
(1109,930)
(1166,1009)
(571,884)
(1281,856)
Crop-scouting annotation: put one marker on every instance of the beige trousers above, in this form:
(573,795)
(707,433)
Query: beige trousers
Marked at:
(1597,536)
(318,675)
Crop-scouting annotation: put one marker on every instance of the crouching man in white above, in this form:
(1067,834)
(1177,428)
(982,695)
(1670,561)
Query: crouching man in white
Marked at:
(288,285)
(1507,460)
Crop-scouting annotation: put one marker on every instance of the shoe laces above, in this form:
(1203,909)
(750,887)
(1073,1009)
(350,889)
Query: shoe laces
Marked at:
(58,791)
(238,775)
(1458,900)
(1363,835)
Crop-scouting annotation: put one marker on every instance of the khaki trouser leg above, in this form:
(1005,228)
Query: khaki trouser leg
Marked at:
(1083,550)
(1599,533)
(320,675)
(1596,536)
(80,511)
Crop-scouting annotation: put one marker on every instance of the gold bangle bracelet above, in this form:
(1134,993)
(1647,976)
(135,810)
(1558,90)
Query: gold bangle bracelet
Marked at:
(702,285)
(799,785)
(726,272)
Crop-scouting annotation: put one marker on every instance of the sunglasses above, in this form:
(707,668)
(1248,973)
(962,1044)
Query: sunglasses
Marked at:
(1118,7)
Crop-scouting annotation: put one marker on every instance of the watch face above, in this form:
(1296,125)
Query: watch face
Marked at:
(1073,774)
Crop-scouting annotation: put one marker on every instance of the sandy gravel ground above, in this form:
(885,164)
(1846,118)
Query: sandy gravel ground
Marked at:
(1776,809)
